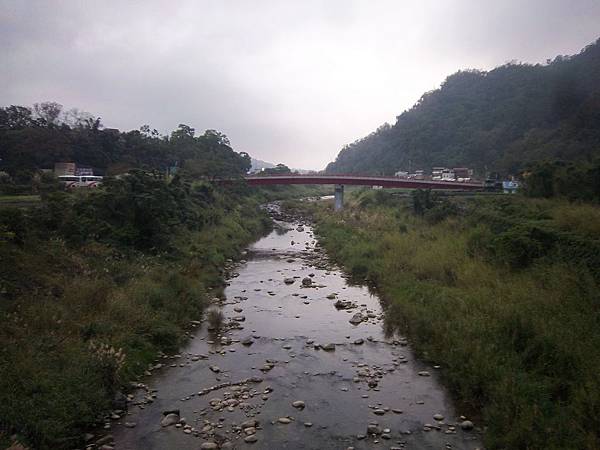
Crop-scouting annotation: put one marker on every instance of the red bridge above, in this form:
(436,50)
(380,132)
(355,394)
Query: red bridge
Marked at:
(359,180)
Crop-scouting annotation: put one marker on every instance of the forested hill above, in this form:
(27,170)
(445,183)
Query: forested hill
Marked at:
(497,120)
(35,138)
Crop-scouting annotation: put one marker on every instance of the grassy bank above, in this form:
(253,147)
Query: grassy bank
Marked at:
(95,285)
(502,292)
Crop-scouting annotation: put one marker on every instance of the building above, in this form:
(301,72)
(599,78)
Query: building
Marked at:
(448,175)
(463,173)
(72,169)
(401,174)
(418,175)
(64,168)
(82,171)
(436,173)
(442,174)
(510,187)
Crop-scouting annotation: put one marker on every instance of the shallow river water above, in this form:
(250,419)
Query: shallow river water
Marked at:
(276,358)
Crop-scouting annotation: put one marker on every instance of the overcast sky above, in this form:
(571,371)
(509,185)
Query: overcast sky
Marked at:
(287,81)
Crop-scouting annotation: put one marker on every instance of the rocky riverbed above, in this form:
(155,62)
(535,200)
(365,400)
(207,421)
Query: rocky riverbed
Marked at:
(301,362)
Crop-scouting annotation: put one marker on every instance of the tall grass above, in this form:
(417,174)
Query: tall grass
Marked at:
(81,321)
(518,344)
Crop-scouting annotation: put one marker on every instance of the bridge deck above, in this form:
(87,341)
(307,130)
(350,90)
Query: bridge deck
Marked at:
(361,180)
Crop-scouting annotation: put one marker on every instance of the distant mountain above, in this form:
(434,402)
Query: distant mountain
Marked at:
(497,120)
(258,165)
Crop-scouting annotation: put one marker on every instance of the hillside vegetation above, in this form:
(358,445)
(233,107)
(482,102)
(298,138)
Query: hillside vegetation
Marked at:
(499,120)
(503,293)
(36,138)
(96,284)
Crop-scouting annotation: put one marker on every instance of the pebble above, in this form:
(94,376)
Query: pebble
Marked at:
(284,420)
(299,404)
(209,446)
(306,281)
(250,439)
(251,423)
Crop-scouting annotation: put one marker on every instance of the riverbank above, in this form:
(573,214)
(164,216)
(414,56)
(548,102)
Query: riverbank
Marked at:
(96,286)
(502,293)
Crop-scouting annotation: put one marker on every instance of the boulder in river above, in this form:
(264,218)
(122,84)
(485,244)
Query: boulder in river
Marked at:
(288,280)
(374,428)
(328,347)
(466,425)
(356,319)
(169,419)
(343,304)
(307,281)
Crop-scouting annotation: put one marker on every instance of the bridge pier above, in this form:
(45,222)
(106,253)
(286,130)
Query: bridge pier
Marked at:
(339,197)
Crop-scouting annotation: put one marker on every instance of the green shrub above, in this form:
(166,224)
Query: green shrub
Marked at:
(503,296)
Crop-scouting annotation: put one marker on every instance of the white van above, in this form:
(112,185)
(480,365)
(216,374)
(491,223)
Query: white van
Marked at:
(75,181)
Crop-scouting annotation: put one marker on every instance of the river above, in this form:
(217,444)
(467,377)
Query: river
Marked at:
(274,366)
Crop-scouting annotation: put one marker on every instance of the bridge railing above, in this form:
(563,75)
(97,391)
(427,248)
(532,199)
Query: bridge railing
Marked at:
(372,178)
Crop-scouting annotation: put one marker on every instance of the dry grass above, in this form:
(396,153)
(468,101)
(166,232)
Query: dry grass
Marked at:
(518,346)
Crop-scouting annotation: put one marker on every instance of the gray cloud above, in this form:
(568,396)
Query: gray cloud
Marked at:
(289,81)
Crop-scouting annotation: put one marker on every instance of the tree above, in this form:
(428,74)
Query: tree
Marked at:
(183,133)
(279,169)
(48,113)
(15,118)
